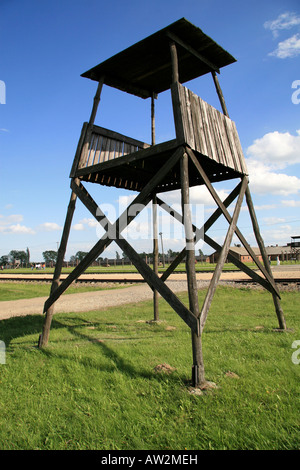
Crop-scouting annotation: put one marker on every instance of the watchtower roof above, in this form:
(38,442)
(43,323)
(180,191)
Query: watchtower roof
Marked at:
(146,68)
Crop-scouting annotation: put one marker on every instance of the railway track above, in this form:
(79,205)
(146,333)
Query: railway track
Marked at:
(112,280)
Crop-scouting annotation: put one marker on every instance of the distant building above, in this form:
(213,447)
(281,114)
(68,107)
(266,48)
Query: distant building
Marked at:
(283,253)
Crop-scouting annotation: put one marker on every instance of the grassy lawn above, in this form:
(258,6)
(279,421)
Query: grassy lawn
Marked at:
(125,269)
(95,385)
(24,290)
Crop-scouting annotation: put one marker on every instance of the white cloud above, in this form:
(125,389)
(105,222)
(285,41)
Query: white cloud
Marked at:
(268,154)
(78,227)
(49,227)
(276,148)
(10,219)
(265,181)
(284,21)
(288,48)
(89,222)
(10,224)
(290,203)
(17,228)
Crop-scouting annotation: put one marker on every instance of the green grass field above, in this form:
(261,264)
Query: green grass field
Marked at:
(95,385)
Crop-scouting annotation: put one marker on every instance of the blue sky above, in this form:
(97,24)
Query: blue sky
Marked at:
(46,45)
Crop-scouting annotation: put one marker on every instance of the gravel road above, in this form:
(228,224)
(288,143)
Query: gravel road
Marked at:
(107,298)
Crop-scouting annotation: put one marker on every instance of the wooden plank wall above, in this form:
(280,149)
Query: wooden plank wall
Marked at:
(206,129)
(107,145)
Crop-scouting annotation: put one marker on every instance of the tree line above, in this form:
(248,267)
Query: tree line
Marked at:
(22,258)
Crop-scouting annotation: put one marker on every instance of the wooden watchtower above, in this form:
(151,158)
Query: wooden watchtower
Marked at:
(206,150)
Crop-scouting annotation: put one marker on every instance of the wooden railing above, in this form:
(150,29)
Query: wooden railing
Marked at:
(103,144)
(206,130)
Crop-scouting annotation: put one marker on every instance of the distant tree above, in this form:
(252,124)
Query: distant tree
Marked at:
(17,255)
(50,256)
(80,255)
(4,260)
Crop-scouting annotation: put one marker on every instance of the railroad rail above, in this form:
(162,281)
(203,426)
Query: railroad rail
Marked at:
(284,281)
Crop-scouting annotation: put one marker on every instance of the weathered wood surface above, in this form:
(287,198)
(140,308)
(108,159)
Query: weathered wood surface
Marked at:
(206,130)
(104,144)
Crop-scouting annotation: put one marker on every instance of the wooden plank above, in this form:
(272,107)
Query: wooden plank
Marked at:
(119,149)
(213,136)
(91,154)
(204,149)
(79,150)
(224,140)
(98,150)
(231,141)
(117,136)
(239,149)
(105,144)
(189,122)
(209,141)
(141,154)
(199,136)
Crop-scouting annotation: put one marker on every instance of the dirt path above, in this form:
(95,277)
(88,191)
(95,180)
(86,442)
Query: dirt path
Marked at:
(107,298)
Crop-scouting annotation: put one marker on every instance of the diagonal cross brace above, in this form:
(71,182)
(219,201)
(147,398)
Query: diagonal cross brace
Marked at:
(148,274)
(153,280)
(201,233)
(229,218)
(223,255)
(212,219)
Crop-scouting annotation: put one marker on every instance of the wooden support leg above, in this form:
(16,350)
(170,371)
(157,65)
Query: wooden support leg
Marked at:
(43,340)
(278,309)
(198,374)
(155,256)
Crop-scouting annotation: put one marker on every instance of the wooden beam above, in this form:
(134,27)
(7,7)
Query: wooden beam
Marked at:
(174,59)
(219,93)
(44,337)
(198,374)
(228,217)
(153,119)
(87,139)
(223,255)
(192,51)
(155,255)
